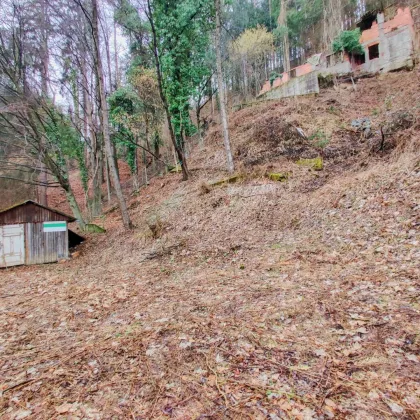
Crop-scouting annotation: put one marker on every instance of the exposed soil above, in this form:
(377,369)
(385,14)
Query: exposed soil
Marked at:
(258,299)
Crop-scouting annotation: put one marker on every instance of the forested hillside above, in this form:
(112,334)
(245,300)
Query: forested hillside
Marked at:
(87,84)
(242,257)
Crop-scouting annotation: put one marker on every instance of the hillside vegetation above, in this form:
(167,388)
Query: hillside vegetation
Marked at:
(269,297)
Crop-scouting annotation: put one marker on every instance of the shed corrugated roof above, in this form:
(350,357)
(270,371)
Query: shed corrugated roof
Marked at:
(69,218)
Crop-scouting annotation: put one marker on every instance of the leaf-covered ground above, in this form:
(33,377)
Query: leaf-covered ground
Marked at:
(256,300)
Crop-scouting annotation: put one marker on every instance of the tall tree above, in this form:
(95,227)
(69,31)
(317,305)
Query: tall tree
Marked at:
(94,22)
(222,99)
(155,48)
(78,83)
(249,54)
(45,64)
(284,33)
(180,39)
(332,21)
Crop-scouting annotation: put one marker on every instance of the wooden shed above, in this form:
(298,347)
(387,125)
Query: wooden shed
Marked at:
(33,234)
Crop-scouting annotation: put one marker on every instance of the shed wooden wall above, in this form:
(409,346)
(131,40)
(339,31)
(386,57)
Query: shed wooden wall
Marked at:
(44,247)
(30,213)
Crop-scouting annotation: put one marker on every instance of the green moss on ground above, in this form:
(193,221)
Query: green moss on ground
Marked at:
(278,176)
(317,164)
(92,228)
(230,180)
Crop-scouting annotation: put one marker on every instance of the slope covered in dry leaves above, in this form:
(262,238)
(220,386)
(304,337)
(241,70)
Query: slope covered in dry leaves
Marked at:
(258,299)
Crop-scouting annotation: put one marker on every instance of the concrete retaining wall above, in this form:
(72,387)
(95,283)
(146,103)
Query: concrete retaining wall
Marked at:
(302,85)
(398,50)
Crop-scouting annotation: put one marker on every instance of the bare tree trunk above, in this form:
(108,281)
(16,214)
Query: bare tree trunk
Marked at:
(117,70)
(105,118)
(223,114)
(108,182)
(97,178)
(212,98)
(147,132)
(175,160)
(266,67)
(42,194)
(108,59)
(282,22)
(114,151)
(86,128)
(76,103)
(75,208)
(135,174)
(257,89)
(245,78)
(156,158)
(95,145)
(197,116)
(43,180)
(332,22)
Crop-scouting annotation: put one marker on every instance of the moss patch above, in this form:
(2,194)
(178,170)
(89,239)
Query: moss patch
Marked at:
(230,180)
(317,164)
(174,169)
(92,228)
(278,176)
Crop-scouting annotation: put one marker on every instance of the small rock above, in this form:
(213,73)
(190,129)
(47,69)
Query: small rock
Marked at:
(185,344)
(330,403)
(397,409)
(373,395)
(412,357)
(21,414)
(329,413)
(320,352)
(63,408)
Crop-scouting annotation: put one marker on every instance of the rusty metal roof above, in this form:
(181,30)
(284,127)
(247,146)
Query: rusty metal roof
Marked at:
(69,218)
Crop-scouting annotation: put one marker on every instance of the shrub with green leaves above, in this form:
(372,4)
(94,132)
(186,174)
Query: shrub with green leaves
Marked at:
(273,76)
(320,139)
(349,42)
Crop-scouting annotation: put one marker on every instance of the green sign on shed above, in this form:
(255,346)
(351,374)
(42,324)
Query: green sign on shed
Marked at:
(55,226)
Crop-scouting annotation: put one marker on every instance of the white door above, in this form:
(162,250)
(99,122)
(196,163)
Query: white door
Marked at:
(12,245)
